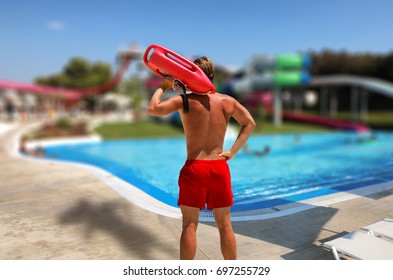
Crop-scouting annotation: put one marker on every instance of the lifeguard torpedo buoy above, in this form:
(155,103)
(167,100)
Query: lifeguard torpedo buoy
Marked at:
(165,62)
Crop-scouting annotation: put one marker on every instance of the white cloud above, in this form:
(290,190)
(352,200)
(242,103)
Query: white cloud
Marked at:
(55,25)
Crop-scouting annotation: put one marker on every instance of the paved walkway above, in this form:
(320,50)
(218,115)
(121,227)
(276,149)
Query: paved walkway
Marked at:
(51,210)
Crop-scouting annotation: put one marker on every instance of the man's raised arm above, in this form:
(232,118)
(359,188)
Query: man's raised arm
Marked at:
(162,108)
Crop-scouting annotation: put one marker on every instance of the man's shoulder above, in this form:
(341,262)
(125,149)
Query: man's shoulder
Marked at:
(223,96)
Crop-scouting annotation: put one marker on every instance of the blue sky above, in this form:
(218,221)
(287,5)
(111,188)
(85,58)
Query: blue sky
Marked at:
(39,37)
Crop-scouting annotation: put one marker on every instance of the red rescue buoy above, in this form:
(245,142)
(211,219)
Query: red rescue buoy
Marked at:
(165,62)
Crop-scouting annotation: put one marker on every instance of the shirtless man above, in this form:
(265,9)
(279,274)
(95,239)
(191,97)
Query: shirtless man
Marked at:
(205,177)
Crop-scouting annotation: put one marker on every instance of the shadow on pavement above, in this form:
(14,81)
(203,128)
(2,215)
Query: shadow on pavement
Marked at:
(116,220)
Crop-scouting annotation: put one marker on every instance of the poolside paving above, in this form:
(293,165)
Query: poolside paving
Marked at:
(51,210)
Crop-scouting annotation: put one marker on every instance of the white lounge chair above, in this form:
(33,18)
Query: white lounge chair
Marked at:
(361,246)
(381,228)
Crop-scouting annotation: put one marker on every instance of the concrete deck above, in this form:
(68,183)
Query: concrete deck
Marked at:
(51,210)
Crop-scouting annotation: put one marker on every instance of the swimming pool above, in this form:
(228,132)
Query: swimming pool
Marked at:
(296,168)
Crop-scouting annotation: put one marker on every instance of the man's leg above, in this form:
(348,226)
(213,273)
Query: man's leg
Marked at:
(227,237)
(188,239)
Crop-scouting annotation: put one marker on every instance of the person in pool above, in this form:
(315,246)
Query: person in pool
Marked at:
(261,153)
(37,151)
(205,177)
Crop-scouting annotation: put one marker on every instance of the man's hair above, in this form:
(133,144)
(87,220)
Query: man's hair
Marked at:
(206,65)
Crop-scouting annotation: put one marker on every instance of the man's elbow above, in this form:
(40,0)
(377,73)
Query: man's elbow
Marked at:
(251,124)
(155,112)
(151,112)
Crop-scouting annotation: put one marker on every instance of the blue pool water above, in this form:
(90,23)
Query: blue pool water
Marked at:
(317,165)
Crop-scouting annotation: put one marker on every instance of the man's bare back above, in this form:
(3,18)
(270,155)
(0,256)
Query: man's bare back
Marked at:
(205,124)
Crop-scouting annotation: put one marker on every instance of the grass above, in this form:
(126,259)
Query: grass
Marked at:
(149,129)
(377,120)
(145,129)
(267,127)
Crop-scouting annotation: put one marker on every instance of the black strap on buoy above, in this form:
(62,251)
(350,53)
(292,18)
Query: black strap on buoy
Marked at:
(184,97)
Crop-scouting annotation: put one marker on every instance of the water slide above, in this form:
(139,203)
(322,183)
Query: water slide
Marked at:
(367,83)
(126,57)
(67,94)
(290,70)
(314,119)
(73,95)
(325,121)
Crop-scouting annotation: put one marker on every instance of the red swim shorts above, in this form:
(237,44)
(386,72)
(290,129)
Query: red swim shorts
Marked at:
(204,182)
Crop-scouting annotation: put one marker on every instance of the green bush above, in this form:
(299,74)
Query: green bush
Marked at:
(63,123)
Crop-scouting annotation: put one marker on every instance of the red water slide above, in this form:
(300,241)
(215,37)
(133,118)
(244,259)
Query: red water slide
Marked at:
(74,94)
(126,58)
(266,100)
(67,94)
(325,121)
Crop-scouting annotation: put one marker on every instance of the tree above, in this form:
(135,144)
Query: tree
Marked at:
(78,73)
(329,62)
